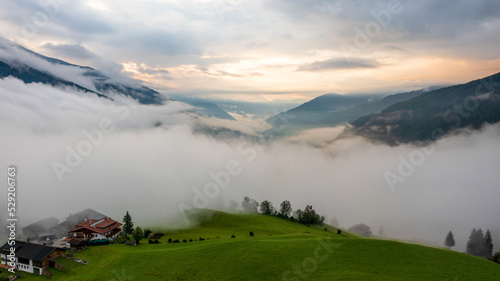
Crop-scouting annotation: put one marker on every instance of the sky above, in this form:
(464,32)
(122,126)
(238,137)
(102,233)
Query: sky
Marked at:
(267,50)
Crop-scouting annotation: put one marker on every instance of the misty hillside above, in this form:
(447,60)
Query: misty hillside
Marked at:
(436,113)
(332,109)
(30,67)
(206,108)
(325,110)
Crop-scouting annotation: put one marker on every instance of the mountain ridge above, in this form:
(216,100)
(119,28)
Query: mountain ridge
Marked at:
(434,114)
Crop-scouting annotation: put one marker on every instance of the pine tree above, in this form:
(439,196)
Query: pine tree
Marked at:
(450,240)
(128,224)
(479,242)
(480,245)
(471,246)
(487,249)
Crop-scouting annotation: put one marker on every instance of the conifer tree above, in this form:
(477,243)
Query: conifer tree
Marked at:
(487,249)
(128,224)
(450,240)
(471,245)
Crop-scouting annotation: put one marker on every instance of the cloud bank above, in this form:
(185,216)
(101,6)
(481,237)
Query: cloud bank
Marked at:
(153,161)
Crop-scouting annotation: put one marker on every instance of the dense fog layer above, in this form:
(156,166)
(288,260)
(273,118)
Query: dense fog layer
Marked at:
(75,151)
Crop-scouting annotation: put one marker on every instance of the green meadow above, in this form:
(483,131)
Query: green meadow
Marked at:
(279,250)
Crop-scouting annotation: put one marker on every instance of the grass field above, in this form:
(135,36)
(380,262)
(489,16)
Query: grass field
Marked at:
(280,250)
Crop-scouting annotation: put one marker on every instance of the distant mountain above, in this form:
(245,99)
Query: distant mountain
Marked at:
(257,110)
(319,112)
(30,67)
(333,109)
(205,108)
(435,113)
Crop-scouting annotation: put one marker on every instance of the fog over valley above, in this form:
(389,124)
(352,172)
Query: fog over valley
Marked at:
(75,151)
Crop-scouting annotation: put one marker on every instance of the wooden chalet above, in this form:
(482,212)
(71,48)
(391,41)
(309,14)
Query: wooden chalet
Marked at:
(105,228)
(29,257)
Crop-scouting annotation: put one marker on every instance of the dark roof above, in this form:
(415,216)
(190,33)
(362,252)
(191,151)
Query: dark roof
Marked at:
(98,226)
(30,251)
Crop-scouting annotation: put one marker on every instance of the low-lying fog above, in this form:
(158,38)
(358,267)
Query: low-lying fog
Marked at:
(155,170)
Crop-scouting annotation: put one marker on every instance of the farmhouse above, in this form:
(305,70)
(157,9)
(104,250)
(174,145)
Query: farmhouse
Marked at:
(29,257)
(105,228)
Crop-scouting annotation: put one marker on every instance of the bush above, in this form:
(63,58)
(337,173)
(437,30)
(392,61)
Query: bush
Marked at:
(190,240)
(201,239)
(496,257)
(150,241)
(169,240)
(326,229)
(146,233)
(361,229)
(176,241)
(339,231)
(184,240)
(121,240)
(157,242)
(233,236)
(251,233)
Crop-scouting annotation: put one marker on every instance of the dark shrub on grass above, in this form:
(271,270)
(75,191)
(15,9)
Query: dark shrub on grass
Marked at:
(339,231)
(190,240)
(233,236)
(157,242)
(176,241)
(184,240)
(251,233)
(496,257)
(326,229)
(201,239)
(150,241)
(169,240)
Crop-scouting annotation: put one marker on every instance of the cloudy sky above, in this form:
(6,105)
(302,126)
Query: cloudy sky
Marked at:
(276,49)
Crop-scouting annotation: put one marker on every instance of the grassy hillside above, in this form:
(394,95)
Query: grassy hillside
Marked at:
(280,250)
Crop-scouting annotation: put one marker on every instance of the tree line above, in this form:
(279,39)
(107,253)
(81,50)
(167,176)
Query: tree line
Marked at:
(306,216)
(479,244)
